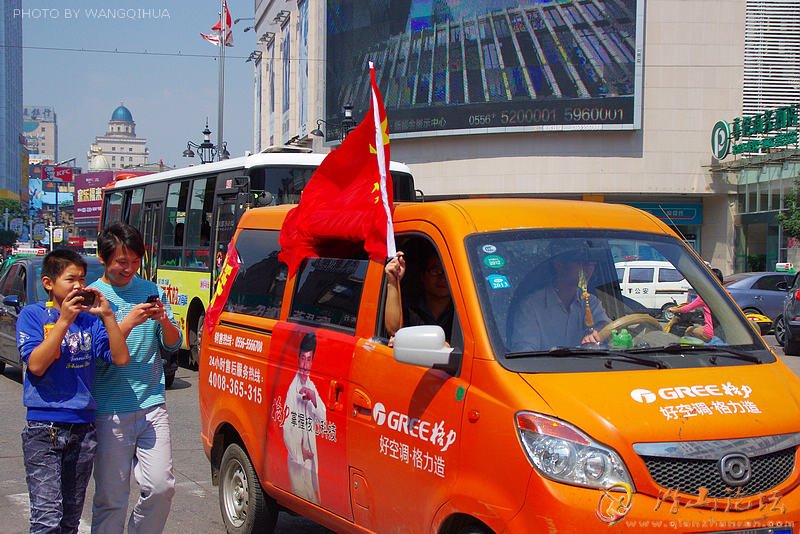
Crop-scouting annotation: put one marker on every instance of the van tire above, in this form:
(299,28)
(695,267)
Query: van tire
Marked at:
(244,506)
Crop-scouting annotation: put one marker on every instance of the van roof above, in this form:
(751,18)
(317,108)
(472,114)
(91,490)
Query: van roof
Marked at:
(466,216)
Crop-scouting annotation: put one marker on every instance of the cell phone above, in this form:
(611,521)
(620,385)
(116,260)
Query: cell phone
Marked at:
(88,297)
(151,299)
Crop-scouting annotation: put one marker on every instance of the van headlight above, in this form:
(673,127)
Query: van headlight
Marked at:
(561,452)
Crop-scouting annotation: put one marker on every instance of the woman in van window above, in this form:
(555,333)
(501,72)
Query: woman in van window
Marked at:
(432,305)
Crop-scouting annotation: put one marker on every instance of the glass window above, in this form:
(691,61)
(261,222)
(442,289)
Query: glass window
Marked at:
(534,304)
(769,283)
(328,293)
(135,215)
(641,275)
(174,224)
(669,275)
(198,232)
(113,207)
(258,287)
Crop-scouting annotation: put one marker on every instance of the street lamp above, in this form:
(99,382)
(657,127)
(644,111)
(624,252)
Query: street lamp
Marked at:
(345,127)
(207,150)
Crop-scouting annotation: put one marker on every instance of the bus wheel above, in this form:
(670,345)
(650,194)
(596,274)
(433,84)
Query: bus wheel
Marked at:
(244,506)
(194,342)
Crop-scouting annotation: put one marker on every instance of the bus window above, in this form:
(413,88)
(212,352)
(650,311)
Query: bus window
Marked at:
(135,210)
(174,224)
(113,208)
(198,232)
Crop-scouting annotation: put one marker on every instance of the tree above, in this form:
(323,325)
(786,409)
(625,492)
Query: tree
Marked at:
(14,206)
(789,218)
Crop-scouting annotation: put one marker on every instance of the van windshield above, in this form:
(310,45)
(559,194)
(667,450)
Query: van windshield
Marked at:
(560,300)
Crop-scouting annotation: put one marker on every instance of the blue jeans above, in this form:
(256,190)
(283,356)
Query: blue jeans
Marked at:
(58,464)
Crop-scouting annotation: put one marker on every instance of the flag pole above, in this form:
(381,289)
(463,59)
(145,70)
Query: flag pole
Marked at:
(221,99)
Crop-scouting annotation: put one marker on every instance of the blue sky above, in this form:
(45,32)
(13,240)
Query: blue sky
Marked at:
(169,96)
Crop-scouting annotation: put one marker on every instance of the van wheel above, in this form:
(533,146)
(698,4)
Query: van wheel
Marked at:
(472,527)
(194,342)
(244,506)
(665,313)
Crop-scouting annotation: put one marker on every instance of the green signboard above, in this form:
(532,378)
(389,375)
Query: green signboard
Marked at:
(751,132)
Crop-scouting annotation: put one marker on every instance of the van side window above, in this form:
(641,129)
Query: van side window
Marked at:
(258,287)
(640,275)
(426,296)
(328,293)
(669,275)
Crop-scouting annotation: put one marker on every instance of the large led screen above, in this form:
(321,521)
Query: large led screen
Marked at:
(483,66)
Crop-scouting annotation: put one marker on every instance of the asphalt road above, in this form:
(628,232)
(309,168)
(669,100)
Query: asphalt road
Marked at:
(195,507)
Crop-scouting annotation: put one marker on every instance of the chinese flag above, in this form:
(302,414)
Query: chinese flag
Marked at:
(349,197)
(224,282)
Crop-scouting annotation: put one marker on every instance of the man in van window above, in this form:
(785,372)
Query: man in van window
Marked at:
(562,313)
(427,301)
(305,410)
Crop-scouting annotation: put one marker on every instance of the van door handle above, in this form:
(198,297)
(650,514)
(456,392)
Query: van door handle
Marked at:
(335,391)
(362,405)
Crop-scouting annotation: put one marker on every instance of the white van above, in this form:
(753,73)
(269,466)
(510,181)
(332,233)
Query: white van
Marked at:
(656,285)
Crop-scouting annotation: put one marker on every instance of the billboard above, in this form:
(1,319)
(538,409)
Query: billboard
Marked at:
(89,196)
(487,66)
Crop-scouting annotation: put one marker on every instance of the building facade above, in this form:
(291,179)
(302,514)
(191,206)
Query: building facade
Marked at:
(40,129)
(120,146)
(13,156)
(609,101)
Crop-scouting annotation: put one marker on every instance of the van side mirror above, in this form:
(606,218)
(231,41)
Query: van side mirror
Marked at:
(424,346)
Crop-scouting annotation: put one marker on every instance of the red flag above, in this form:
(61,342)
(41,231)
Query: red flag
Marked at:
(227,31)
(349,197)
(227,274)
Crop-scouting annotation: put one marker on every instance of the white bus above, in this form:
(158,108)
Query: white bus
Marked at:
(188,216)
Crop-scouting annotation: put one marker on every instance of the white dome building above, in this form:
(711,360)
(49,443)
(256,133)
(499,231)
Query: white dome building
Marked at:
(119,147)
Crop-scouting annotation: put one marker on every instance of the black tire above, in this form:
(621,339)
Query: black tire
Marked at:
(244,506)
(194,342)
(665,313)
(791,346)
(752,310)
(780,330)
(2,367)
(472,527)
(169,379)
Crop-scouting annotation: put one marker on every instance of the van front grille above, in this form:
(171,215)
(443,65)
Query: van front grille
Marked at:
(687,476)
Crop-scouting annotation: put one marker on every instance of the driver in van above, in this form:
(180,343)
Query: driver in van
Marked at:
(562,313)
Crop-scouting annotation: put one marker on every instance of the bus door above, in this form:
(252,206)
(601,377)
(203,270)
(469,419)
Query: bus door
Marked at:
(226,214)
(151,232)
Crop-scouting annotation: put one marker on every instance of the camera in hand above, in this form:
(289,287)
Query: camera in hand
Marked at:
(88,297)
(151,299)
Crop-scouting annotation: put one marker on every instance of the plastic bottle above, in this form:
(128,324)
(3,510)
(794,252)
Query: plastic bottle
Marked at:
(50,318)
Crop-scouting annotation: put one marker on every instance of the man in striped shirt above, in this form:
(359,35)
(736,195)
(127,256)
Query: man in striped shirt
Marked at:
(132,422)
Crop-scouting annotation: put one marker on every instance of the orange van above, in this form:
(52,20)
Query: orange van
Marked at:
(541,399)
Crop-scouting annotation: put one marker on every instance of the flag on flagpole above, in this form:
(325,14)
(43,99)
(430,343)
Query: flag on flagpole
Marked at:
(350,197)
(227,31)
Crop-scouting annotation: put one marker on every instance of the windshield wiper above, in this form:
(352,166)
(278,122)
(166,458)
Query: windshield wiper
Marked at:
(677,348)
(580,352)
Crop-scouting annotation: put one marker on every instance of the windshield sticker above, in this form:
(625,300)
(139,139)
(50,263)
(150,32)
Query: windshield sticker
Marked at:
(494,261)
(489,249)
(694,406)
(498,281)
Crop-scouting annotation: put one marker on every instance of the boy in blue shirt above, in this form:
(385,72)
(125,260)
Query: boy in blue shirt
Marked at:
(59,440)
